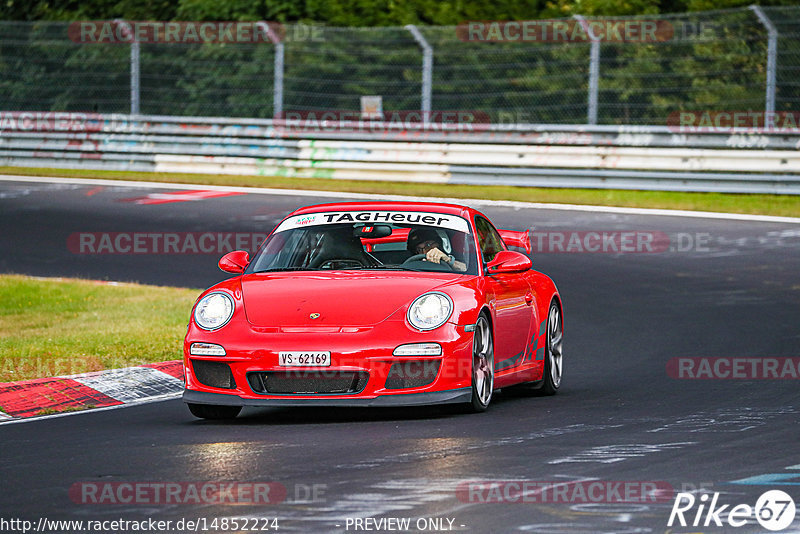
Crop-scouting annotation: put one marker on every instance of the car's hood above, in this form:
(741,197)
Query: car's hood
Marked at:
(340,298)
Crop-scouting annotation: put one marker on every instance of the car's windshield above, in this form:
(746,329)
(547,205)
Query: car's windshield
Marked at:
(385,240)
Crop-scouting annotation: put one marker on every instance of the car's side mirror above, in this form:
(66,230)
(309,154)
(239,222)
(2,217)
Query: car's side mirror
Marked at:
(508,261)
(513,238)
(234,262)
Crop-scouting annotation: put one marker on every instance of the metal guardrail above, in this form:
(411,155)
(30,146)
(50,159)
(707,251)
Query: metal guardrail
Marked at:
(652,158)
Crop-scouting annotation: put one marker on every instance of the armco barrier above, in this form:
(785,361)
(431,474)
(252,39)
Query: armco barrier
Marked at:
(652,158)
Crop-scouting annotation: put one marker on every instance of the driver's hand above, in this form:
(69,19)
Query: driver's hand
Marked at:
(435,255)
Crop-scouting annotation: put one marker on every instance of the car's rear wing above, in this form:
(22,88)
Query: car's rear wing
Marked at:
(513,238)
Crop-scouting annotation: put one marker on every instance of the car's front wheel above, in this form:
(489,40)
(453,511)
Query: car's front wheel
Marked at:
(482,365)
(211,411)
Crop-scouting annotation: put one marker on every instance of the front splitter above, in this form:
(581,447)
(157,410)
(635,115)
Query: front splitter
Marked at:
(452,396)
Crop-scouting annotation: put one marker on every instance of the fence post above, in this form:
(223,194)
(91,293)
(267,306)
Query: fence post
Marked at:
(135,87)
(427,70)
(277,73)
(772,57)
(134,61)
(594,71)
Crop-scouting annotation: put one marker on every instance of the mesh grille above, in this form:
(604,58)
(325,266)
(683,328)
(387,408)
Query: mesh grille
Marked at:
(412,374)
(307,382)
(213,374)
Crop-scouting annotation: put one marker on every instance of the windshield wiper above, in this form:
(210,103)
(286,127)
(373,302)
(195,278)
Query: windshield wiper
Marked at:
(384,266)
(284,269)
(393,267)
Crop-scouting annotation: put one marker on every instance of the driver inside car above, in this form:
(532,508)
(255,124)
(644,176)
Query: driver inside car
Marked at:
(427,241)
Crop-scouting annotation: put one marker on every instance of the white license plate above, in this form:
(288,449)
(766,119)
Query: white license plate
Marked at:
(304,359)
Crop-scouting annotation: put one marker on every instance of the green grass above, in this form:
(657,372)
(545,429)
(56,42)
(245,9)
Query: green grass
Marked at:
(782,205)
(60,327)
(65,409)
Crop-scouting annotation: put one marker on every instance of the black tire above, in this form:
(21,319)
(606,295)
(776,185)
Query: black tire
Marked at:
(553,355)
(212,411)
(482,365)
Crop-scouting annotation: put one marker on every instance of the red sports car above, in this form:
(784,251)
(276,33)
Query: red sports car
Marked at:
(374,304)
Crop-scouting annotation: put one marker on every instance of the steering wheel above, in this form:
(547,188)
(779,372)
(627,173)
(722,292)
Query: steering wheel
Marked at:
(420,257)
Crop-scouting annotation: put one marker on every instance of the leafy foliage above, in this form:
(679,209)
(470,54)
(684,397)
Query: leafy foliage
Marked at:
(337,51)
(352,12)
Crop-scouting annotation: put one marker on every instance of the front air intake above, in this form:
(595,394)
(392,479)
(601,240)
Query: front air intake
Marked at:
(213,374)
(412,374)
(307,382)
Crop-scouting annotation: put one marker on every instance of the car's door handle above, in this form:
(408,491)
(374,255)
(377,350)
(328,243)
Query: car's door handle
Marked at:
(528,298)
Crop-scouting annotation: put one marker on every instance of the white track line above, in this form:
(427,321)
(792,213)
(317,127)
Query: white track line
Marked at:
(369,196)
(159,398)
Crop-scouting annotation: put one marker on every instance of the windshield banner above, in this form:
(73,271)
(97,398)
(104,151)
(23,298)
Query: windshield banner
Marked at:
(451,222)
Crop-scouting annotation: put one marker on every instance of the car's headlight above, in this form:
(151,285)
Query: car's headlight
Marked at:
(430,311)
(213,311)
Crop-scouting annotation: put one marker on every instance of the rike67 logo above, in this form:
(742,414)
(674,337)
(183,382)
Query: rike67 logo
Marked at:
(774,510)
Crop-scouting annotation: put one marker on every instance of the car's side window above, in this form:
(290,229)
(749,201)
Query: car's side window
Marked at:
(488,239)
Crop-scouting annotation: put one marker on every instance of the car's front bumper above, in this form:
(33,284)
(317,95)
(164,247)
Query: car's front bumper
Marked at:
(365,351)
(454,396)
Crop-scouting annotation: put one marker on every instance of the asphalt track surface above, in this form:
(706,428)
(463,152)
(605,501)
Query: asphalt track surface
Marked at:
(619,415)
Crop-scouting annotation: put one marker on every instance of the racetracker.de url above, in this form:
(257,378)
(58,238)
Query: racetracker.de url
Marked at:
(197,524)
